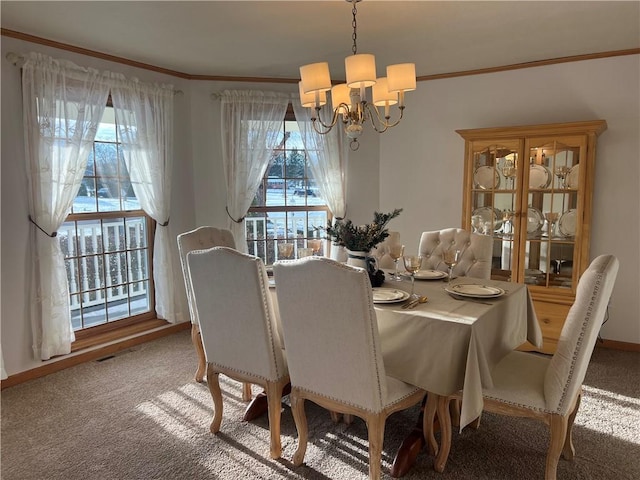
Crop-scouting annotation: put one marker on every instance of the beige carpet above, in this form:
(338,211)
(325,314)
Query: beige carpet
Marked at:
(140,415)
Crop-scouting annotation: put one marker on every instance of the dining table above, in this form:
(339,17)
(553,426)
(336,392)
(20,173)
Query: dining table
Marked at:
(451,343)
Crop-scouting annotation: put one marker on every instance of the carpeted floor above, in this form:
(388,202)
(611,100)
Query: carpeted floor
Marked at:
(140,415)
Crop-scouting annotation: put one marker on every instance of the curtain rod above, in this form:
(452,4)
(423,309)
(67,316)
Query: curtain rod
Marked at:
(17,60)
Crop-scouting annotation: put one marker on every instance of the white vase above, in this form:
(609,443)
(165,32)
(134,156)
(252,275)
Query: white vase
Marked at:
(338,253)
(357,258)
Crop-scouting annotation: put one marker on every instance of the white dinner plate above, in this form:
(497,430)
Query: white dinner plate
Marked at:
(489,214)
(429,274)
(573,177)
(487,177)
(539,176)
(535,220)
(475,291)
(389,295)
(567,223)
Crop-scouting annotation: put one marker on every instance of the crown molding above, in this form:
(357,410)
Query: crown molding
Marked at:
(220,78)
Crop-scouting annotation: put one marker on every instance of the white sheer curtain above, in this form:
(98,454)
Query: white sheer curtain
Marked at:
(251,128)
(62,106)
(144,115)
(327,156)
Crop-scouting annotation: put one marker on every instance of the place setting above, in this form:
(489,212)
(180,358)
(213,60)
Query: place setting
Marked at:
(472,292)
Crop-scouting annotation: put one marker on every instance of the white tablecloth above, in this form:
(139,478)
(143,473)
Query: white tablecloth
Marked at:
(447,345)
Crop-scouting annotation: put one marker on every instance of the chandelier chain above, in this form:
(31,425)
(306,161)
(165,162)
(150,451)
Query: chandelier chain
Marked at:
(354,24)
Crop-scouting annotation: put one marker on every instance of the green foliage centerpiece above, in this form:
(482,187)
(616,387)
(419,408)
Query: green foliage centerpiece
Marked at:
(361,238)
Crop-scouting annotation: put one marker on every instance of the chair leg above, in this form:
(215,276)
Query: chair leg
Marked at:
(196,339)
(558,426)
(300,419)
(246,392)
(213,380)
(444,417)
(274,399)
(568,450)
(375,428)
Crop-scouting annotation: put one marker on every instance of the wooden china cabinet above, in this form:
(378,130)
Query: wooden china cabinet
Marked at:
(531,189)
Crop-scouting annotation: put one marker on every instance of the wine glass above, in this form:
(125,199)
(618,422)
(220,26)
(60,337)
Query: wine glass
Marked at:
(395,252)
(562,172)
(507,226)
(412,264)
(552,218)
(451,258)
(509,172)
(314,244)
(285,250)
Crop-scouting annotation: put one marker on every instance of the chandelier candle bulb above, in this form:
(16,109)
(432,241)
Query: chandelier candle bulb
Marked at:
(310,100)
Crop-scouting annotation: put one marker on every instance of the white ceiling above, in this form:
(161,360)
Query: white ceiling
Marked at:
(271,39)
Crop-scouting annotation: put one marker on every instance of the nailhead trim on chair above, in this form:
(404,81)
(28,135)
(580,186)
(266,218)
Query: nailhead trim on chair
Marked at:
(384,404)
(579,342)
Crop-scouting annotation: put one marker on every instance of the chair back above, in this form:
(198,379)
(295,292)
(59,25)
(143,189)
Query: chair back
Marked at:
(330,331)
(477,251)
(568,366)
(200,239)
(386,261)
(235,310)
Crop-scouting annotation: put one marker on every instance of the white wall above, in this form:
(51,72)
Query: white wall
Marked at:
(416,166)
(421,161)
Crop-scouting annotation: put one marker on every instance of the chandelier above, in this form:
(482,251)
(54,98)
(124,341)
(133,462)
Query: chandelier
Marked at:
(349,100)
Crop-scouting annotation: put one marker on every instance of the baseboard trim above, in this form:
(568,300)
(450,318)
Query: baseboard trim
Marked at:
(616,345)
(93,354)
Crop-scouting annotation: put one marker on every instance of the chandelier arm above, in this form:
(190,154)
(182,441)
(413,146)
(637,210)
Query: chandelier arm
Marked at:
(342,107)
(318,120)
(383,122)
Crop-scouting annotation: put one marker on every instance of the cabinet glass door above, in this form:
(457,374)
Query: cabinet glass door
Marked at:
(553,215)
(493,201)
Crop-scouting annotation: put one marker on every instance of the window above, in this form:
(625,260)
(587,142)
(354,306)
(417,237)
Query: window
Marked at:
(288,207)
(106,241)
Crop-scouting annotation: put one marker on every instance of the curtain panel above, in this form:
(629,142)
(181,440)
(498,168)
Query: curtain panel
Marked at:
(62,107)
(327,159)
(251,129)
(144,116)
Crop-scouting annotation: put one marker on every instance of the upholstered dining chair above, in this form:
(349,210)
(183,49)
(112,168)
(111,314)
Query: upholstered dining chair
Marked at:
(198,239)
(238,328)
(381,251)
(477,251)
(331,338)
(550,388)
